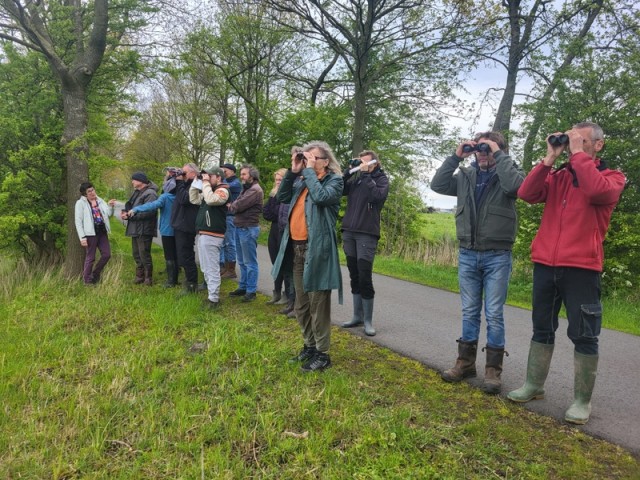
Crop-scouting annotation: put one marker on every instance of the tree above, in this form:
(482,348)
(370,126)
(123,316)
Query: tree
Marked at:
(73,38)
(377,40)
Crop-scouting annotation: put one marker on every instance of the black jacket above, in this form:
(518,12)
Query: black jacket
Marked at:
(142,223)
(183,212)
(366,194)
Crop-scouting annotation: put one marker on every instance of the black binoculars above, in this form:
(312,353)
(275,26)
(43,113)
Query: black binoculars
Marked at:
(480,147)
(300,157)
(557,140)
(354,162)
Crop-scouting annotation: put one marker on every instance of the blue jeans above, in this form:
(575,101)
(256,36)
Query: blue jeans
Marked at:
(484,274)
(228,252)
(247,255)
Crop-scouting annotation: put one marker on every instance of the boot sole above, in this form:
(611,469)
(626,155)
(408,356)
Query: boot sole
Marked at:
(520,400)
(457,379)
(576,421)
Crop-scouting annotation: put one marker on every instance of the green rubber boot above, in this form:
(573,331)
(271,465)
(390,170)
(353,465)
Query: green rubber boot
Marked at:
(584,379)
(367,309)
(537,369)
(357,313)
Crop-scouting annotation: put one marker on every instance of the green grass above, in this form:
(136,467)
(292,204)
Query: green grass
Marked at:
(123,381)
(437,226)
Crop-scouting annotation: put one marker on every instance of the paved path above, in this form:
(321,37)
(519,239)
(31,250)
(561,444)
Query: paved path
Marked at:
(422,323)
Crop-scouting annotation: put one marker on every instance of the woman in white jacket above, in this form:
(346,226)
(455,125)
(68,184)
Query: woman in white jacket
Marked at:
(92,224)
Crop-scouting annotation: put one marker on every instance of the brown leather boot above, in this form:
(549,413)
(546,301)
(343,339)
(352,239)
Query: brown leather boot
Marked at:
(493,369)
(148,276)
(139,275)
(229,270)
(465,366)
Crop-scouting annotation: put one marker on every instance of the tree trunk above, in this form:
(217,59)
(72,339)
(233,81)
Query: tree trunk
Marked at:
(503,116)
(76,152)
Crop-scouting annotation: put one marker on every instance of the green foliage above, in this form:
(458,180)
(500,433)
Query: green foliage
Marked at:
(32,213)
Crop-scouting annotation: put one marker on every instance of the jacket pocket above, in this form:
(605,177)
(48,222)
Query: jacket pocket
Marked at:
(590,320)
(499,223)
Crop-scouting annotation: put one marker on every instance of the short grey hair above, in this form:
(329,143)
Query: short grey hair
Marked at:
(324,147)
(596,130)
(253,171)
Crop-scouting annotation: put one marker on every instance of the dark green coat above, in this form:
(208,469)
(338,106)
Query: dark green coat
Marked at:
(322,265)
(492,226)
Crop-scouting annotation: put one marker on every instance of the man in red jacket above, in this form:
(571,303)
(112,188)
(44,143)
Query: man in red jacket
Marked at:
(567,253)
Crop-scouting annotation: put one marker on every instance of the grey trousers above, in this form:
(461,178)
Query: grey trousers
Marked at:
(209,257)
(313,309)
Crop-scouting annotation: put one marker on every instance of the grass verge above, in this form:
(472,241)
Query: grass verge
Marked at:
(123,381)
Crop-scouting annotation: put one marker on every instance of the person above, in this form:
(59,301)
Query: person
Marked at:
(92,225)
(486,226)
(183,221)
(211,224)
(164,203)
(141,227)
(366,191)
(567,255)
(270,213)
(313,187)
(247,209)
(229,255)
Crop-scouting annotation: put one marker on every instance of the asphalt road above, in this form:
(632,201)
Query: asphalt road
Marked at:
(423,323)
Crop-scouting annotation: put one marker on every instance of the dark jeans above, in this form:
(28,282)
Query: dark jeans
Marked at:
(98,242)
(360,250)
(579,290)
(141,248)
(185,243)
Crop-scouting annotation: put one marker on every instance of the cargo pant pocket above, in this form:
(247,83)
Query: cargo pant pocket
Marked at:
(591,320)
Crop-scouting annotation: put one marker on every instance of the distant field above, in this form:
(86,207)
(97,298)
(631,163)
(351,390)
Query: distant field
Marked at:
(437,226)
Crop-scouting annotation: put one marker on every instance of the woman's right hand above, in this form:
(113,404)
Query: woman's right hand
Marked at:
(83,242)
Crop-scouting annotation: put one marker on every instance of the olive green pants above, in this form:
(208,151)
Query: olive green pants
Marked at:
(313,309)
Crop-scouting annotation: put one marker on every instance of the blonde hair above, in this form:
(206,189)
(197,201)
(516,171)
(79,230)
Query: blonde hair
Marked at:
(324,147)
(281,172)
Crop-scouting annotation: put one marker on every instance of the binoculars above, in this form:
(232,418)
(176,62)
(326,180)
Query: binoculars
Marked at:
(480,147)
(557,140)
(354,162)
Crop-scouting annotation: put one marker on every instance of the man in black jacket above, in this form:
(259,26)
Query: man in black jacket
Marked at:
(141,227)
(183,221)
(366,191)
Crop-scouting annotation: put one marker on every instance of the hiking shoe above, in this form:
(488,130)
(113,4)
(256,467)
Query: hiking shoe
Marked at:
(208,304)
(305,354)
(238,292)
(249,297)
(319,362)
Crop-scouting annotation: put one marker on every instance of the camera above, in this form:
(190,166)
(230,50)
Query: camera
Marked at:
(557,140)
(354,162)
(480,147)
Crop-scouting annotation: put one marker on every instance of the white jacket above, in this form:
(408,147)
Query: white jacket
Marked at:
(84,217)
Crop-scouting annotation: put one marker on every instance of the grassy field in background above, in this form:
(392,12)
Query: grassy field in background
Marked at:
(123,381)
(620,313)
